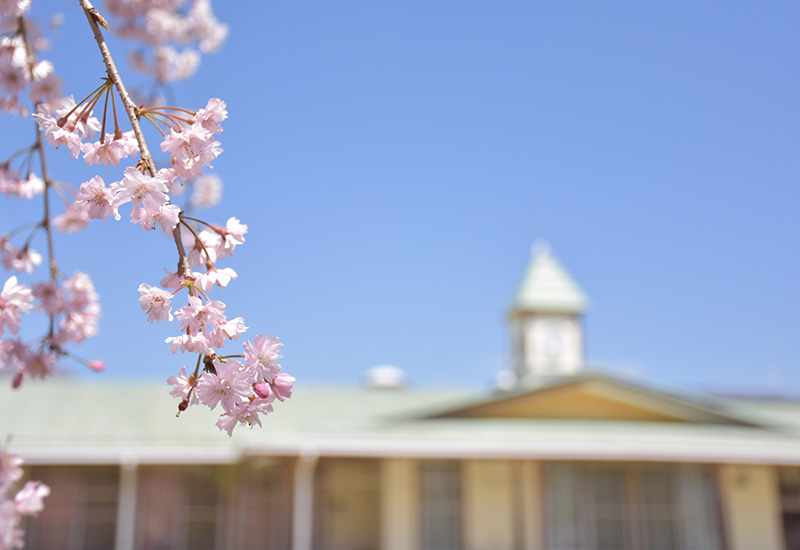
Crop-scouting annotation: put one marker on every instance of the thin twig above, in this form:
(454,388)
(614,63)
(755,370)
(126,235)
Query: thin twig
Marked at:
(133,115)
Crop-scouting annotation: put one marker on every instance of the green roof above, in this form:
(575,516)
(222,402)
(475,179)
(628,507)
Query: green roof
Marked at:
(63,421)
(547,287)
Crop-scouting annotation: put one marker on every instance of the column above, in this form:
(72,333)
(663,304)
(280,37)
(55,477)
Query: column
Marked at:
(400,506)
(126,504)
(488,505)
(751,507)
(303,501)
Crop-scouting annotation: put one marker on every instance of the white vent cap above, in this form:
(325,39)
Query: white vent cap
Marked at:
(385,376)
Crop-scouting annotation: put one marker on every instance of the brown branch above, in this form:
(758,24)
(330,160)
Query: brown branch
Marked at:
(95,20)
(48,184)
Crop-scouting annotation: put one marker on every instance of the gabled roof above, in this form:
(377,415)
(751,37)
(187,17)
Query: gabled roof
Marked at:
(122,422)
(547,287)
(593,397)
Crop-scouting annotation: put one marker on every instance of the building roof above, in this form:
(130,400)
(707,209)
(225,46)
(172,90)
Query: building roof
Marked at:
(77,421)
(546,286)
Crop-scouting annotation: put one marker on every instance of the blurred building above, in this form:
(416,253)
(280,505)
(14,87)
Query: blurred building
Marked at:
(554,458)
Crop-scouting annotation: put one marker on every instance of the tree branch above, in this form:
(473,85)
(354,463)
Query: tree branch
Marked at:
(95,19)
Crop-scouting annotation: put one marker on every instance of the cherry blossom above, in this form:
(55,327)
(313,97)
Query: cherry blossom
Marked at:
(155,302)
(244,414)
(262,355)
(28,501)
(15,299)
(229,383)
(98,200)
(24,259)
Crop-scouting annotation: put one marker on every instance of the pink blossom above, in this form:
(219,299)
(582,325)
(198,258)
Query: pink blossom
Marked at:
(167,217)
(15,299)
(211,115)
(40,364)
(204,249)
(73,219)
(99,201)
(12,186)
(233,329)
(10,469)
(199,317)
(46,89)
(111,150)
(28,500)
(262,390)
(189,143)
(24,259)
(183,385)
(233,235)
(214,276)
(207,191)
(262,356)
(13,71)
(10,535)
(156,302)
(50,297)
(172,280)
(76,326)
(229,385)
(96,365)
(80,290)
(246,413)
(148,195)
(71,133)
(282,385)
(191,343)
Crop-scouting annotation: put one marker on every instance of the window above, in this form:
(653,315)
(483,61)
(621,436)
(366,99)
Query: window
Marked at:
(180,507)
(790,506)
(441,505)
(81,511)
(590,506)
(262,505)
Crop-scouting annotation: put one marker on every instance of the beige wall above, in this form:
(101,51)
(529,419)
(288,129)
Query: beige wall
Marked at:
(400,504)
(751,507)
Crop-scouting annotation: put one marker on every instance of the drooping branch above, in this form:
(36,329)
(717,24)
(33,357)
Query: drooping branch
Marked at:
(95,20)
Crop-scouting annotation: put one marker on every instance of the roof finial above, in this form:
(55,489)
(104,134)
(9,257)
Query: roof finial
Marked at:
(540,247)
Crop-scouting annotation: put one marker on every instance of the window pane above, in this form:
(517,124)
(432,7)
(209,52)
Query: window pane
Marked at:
(179,507)
(441,505)
(81,511)
(679,508)
(262,506)
(586,507)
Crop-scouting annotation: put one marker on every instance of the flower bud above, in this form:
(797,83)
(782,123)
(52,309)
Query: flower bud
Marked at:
(282,385)
(261,389)
(96,365)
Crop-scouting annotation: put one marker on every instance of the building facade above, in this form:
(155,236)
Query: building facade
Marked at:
(559,458)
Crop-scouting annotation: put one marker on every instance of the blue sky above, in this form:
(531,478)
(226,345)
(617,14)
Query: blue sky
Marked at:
(395,160)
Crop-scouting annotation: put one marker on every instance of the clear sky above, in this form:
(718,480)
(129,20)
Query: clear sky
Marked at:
(395,160)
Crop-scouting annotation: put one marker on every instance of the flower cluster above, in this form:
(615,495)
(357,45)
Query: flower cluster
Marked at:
(245,389)
(165,26)
(19,72)
(73,307)
(246,384)
(25,502)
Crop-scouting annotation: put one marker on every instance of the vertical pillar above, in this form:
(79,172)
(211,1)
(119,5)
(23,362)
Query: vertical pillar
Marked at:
(530,485)
(303,501)
(751,507)
(126,503)
(400,505)
(488,505)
